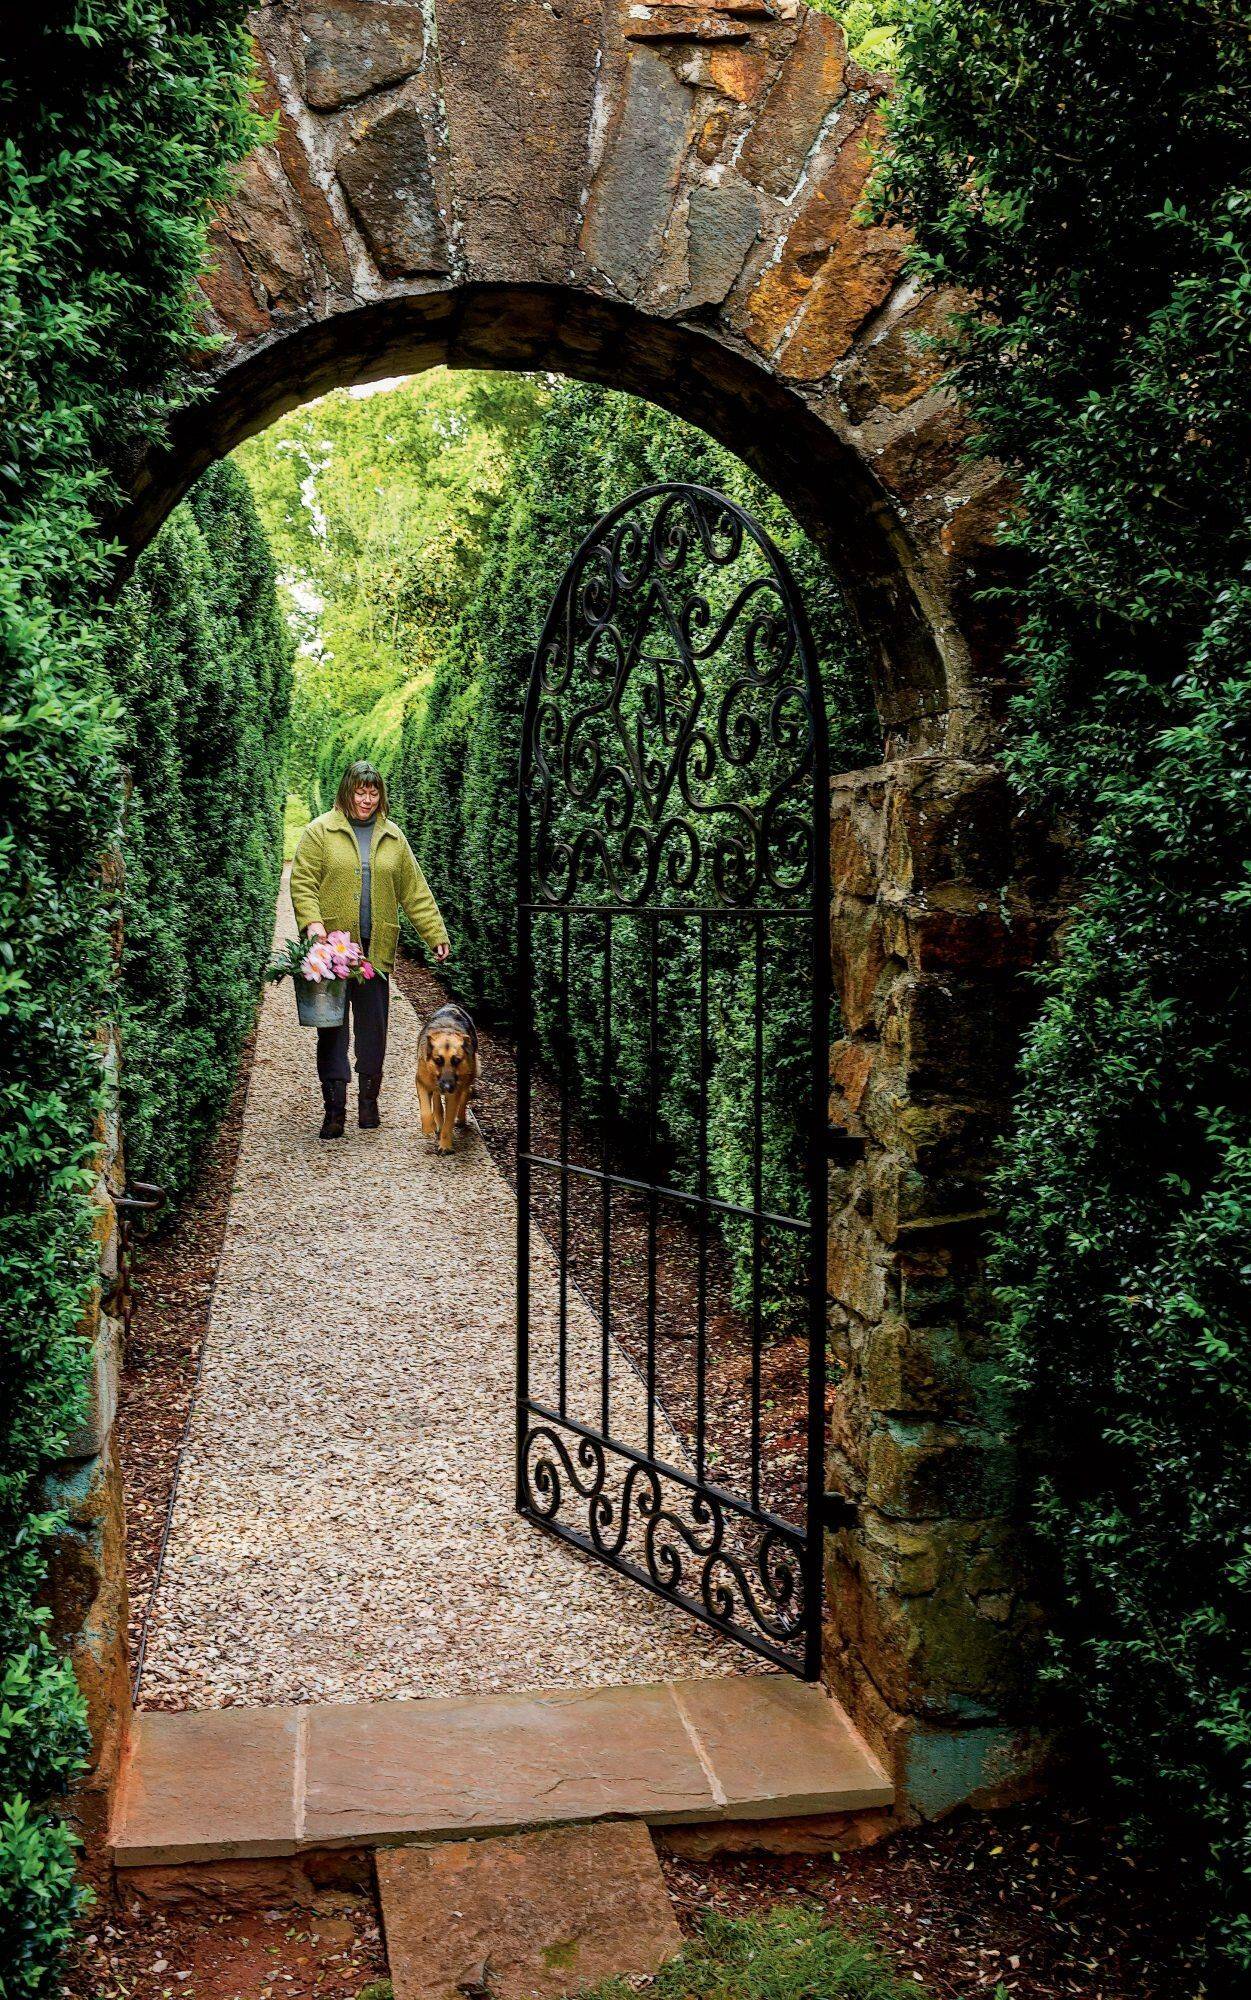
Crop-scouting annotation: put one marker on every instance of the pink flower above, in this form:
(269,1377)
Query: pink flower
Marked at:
(338,940)
(340,965)
(367,971)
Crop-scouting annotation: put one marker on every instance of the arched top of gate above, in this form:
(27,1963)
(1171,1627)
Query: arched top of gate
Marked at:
(674,744)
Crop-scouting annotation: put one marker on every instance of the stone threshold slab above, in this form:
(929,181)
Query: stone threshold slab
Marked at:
(249,1782)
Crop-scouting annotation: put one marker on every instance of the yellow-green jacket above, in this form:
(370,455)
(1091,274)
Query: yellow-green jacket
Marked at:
(326,885)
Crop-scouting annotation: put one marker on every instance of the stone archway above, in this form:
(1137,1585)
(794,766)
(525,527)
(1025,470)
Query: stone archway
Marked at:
(662,197)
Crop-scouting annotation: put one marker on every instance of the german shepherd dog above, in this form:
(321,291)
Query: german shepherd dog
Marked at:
(447,1069)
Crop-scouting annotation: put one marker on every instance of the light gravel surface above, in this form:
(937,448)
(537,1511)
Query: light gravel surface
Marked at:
(343,1527)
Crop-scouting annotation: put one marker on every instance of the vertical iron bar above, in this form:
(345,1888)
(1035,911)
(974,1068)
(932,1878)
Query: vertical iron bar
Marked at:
(701,1306)
(605,1112)
(525,1028)
(563,1079)
(653,1097)
(757,1233)
(818,1165)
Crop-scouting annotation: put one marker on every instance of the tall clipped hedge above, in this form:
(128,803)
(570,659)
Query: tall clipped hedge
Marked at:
(455,784)
(1082,169)
(202,668)
(118,125)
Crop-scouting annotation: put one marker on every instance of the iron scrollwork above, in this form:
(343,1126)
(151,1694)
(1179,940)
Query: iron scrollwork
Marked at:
(741,1572)
(671,747)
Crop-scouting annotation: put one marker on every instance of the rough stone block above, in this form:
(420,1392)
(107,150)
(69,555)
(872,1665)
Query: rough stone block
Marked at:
(85,1592)
(519,84)
(831,273)
(353,47)
(858,948)
(811,82)
(892,368)
(958,931)
(950,822)
(851,1066)
(932,1371)
(528,1917)
(954,1035)
(633,193)
(722,224)
(856,1277)
(739,73)
(832,1833)
(923,457)
(986,1767)
(386,175)
(928,1470)
(863,265)
(263,222)
(855,868)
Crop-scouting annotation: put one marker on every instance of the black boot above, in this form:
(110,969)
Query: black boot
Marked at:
(335,1095)
(367,1088)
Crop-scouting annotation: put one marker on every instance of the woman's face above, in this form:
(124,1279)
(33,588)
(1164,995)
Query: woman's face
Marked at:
(365,801)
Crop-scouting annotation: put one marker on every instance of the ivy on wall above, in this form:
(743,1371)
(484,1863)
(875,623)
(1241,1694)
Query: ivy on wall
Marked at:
(201,660)
(119,126)
(1081,170)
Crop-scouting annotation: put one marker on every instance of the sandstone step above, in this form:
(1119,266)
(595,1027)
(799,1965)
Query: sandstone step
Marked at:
(246,1782)
(528,1916)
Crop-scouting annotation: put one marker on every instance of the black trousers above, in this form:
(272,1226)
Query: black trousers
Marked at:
(365,1019)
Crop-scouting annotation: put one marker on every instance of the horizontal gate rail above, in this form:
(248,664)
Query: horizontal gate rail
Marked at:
(665,1193)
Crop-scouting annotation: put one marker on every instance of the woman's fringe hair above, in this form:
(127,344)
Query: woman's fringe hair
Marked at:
(362,772)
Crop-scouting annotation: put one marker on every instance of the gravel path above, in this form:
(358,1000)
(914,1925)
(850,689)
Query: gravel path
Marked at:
(343,1525)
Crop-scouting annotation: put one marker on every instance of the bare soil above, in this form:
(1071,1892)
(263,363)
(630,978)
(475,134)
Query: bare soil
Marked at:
(1041,1902)
(206,1954)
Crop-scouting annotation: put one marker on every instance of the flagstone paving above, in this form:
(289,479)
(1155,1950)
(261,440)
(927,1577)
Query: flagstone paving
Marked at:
(343,1526)
(230,1785)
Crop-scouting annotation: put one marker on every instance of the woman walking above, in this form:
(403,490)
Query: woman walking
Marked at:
(354,871)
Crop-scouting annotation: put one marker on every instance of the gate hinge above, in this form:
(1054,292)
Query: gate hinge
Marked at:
(837,1511)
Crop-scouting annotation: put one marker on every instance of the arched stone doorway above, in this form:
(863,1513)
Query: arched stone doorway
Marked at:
(663,198)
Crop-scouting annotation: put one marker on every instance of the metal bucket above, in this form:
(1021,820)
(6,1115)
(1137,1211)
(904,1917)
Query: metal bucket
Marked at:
(320,1003)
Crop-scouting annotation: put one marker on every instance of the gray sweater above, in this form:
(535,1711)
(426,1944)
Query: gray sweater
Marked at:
(364,831)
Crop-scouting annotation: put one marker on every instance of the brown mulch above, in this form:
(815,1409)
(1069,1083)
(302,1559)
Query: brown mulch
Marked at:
(1039,1902)
(331,1953)
(174,1273)
(728,1376)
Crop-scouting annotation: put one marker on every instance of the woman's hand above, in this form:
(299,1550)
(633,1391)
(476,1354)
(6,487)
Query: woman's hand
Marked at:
(316,930)
(442,951)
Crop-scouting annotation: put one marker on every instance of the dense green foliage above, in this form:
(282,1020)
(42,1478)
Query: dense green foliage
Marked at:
(1083,170)
(454,774)
(118,123)
(376,505)
(202,667)
(872,28)
(788,1954)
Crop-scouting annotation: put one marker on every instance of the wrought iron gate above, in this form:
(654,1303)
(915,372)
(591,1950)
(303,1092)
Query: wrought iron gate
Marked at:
(673,881)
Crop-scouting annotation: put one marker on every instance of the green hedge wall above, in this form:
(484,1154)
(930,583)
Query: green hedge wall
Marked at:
(119,123)
(455,784)
(1082,169)
(201,661)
